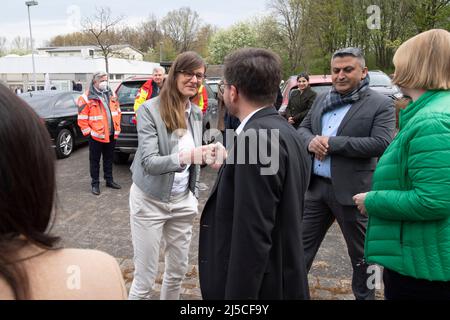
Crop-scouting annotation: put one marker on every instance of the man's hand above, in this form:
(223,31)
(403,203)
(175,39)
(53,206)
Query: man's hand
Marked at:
(359,201)
(319,146)
(211,154)
(216,156)
(291,120)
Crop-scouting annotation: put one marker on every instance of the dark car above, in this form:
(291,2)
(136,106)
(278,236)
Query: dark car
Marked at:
(127,142)
(211,115)
(59,110)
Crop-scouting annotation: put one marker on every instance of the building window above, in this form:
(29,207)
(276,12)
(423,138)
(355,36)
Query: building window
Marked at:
(91,53)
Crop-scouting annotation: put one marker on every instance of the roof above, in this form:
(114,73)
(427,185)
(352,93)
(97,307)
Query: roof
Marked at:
(67,65)
(79,48)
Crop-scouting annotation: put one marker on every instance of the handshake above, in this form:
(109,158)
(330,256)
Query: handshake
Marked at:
(213,154)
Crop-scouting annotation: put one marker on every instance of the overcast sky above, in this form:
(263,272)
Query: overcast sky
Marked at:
(53,17)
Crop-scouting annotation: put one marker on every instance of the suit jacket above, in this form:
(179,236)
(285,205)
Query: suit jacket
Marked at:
(251,227)
(363,136)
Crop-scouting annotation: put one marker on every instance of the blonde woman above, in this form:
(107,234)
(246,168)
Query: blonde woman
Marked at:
(409,205)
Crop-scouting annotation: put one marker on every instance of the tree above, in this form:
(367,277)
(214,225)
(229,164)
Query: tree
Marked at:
(204,37)
(240,35)
(395,27)
(101,29)
(291,18)
(20,46)
(181,27)
(431,14)
(2,46)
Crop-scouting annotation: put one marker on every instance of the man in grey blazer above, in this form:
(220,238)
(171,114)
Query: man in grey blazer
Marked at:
(346,131)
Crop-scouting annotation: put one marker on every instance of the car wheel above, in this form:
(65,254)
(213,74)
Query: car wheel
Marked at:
(121,157)
(64,144)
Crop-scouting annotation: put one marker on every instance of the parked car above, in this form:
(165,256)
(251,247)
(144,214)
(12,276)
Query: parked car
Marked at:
(214,82)
(211,115)
(127,142)
(380,82)
(318,83)
(59,110)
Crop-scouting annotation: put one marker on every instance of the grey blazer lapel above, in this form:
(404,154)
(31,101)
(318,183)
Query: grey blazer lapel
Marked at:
(354,108)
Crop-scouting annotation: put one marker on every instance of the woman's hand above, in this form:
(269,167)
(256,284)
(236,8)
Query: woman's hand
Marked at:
(211,154)
(359,201)
(291,120)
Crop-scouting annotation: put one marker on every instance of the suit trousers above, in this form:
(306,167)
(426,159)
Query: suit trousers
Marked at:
(96,150)
(321,210)
(152,221)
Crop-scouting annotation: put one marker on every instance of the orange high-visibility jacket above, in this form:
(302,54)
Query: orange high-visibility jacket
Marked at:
(92,118)
(148,90)
(201,99)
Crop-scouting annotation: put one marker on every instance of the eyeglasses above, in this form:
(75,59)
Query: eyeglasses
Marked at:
(222,86)
(190,75)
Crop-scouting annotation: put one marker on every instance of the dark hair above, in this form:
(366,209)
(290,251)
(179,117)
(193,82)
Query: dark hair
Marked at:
(27,187)
(352,52)
(171,101)
(256,73)
(303,75)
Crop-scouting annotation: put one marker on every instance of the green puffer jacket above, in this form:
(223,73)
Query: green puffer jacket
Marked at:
(409,207)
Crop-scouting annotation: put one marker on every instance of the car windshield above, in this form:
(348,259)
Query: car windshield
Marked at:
(379,80)
(214,87)
(127,91)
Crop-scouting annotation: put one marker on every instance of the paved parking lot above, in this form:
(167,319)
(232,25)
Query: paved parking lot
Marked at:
(102,223)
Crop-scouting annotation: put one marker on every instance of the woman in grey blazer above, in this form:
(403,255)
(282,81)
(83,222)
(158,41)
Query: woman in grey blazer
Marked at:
(166,171)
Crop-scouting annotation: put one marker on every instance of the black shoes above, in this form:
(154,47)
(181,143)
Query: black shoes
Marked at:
(96,190)
(113,185)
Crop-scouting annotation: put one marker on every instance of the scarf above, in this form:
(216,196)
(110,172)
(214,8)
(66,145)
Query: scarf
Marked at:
(335,100)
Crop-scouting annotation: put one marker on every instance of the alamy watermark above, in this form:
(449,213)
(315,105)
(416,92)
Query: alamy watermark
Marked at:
(73,281)
(374,21)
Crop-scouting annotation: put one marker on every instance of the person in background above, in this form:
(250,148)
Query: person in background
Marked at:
(346,131)
(151,88)
(201,98)
(99,117)
(300,100)
(32,265)
(409,205)
(165,173)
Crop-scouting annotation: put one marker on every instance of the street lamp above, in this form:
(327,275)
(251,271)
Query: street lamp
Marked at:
(160,51)
(29,4)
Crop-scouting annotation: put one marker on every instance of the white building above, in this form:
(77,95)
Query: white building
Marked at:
(118,51)
(60,71)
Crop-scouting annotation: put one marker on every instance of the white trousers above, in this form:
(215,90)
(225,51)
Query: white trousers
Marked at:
(151,221)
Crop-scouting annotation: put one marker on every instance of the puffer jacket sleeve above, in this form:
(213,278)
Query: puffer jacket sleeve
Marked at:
(428,168)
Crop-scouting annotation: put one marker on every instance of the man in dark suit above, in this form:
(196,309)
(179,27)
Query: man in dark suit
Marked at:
(346,131)
(251,226)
